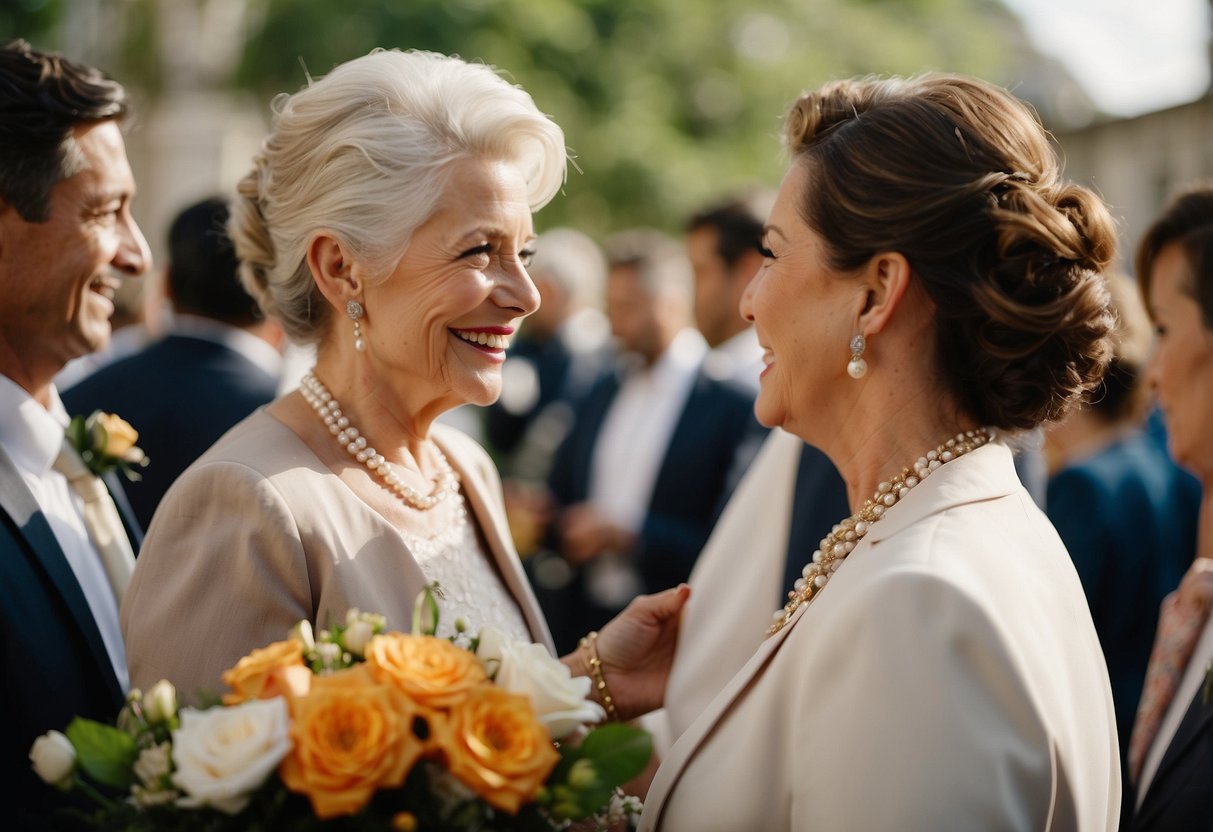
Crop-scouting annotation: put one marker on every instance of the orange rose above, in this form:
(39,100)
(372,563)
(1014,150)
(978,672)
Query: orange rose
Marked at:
(256,675)
(431,671)
(498,748)
(352,735)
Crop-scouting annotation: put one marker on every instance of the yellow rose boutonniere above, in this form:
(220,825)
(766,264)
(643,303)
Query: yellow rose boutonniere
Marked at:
(105,442)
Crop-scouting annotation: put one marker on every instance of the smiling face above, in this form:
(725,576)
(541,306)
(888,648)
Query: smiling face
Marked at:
(1180,371)
(440,323)
(804,313)
(58,277)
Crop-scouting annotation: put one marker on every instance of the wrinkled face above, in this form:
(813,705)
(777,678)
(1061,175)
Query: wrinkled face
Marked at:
(441,321)
(716,314)
(58,277)
(804,314)
(1180,372)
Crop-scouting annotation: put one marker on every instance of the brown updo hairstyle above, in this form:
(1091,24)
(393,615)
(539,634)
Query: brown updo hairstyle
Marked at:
(1188,221)
(958,176)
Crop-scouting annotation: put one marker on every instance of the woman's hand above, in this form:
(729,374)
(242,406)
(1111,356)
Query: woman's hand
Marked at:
(636,649)
(1196,588)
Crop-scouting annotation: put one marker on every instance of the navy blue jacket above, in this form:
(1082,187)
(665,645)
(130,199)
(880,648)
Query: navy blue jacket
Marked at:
(713,441)
(54,663)
(181,394)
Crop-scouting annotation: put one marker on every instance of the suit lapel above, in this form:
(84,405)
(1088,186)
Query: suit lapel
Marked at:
(125,513)
(673,766)
(1197,720)
(497,535)
(31,524)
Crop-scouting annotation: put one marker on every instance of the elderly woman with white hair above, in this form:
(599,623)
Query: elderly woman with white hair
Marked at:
(387,221)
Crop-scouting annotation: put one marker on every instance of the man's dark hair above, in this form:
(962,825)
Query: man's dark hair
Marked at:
(43,96)
(738,226)
(202,270)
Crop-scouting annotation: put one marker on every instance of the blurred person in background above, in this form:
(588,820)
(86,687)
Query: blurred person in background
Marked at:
(387,219)
(1114,498)
(219,362)
(722,246)
(559,353)
(1170,757)
(655,447)
(68,241)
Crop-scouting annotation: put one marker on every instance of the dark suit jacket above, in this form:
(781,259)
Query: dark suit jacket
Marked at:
(181,394)
(54,662)
(701,464)
(1180,797)
(818,502)
(1121,514)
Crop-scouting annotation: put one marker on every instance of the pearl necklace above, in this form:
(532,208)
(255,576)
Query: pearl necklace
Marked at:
(845,536)
(348,436)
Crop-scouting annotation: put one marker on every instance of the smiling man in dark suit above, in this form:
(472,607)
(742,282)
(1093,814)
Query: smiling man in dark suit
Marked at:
(654,450)
(67,240)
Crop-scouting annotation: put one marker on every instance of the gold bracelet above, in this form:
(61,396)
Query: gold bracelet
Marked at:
(590,643)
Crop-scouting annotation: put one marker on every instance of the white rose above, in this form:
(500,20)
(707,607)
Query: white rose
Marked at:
(224,754)
(54,758)
(560,700)
(160,703)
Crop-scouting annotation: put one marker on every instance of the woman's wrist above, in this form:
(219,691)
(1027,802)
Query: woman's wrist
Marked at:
(587,650)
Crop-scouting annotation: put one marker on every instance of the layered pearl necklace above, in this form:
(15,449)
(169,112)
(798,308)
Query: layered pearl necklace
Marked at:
(845,536)
(348,436)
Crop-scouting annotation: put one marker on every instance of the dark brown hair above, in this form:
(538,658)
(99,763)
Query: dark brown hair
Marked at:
(958,176)
(42,97)
(1188,221)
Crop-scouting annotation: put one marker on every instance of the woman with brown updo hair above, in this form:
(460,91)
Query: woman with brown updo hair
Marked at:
(931,286)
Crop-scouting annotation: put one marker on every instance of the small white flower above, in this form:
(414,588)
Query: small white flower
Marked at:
(54,758)
(146,798)
(160,703)
(560,701)
(358,635)
(154,765)
(224,754)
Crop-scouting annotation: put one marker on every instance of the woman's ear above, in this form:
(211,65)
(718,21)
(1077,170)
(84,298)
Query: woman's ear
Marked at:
(332,269)
(886,277)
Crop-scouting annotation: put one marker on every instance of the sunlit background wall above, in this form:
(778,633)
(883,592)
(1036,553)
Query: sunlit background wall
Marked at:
(665,103)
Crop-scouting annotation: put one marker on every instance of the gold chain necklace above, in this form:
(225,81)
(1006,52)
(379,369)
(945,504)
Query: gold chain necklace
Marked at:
(348,436)
(845,536)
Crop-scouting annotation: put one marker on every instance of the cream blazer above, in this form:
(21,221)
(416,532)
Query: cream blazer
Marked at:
(259,534)
(948,678)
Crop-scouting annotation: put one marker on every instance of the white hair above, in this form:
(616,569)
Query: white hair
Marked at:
(365,154)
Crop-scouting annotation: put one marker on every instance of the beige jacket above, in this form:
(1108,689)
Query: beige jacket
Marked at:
(948,678)
(259,534)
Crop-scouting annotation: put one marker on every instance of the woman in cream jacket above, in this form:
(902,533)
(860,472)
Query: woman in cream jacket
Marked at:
(930,284)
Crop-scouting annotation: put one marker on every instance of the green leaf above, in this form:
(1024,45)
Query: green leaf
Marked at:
(105,753)
(77,433)
(618,753)
(425,611)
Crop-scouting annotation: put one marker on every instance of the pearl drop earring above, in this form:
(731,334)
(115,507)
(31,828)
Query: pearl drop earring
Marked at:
(857,367)
(355,311)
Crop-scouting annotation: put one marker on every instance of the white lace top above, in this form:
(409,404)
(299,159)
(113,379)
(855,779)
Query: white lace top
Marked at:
(471,587)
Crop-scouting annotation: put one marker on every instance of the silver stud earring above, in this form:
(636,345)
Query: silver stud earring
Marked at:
(355,311)
(857,367)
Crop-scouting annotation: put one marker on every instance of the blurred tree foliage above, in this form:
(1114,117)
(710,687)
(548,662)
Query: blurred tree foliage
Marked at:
(665,103)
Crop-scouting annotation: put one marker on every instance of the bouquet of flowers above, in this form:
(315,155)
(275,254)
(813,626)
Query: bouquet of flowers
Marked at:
(354,728)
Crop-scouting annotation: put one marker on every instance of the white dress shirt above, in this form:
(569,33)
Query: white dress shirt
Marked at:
(628,455)
(32,436)
(637,431)
(1189,683)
